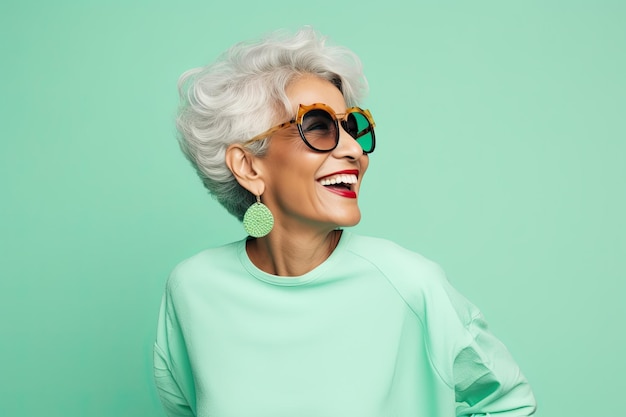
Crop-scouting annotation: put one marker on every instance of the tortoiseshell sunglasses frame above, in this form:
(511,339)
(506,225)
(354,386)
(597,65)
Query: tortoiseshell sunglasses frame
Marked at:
(337,117)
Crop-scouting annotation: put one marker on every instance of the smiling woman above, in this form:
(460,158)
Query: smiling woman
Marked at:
(291,173)
(303,318)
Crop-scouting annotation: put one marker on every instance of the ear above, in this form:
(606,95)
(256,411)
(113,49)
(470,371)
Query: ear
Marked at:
(245,168)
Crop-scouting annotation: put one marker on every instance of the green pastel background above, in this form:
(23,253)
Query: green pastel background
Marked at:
(501,155)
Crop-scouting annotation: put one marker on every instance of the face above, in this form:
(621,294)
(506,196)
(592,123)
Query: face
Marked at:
(308,189)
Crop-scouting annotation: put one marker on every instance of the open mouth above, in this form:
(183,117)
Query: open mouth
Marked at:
(341,183)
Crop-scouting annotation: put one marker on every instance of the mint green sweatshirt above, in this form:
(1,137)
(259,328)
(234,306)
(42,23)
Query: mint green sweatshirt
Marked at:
(374,331)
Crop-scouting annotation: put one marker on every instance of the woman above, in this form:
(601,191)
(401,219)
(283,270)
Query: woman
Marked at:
(302,318)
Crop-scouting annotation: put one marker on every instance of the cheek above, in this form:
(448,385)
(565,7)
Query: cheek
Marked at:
(294,172)
(365,163)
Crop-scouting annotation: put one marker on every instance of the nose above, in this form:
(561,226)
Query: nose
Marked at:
(347,147)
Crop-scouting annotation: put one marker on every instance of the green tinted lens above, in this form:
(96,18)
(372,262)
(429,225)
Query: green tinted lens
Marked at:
(319,130)
(359,127)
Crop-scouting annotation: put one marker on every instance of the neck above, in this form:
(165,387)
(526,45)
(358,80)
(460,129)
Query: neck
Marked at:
(291,255)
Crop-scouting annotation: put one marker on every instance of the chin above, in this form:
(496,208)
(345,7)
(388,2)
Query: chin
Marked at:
(350,221)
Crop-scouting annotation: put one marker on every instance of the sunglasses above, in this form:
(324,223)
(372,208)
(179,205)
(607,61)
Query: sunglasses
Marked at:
(318,125)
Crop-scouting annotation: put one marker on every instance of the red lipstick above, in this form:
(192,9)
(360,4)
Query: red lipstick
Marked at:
(343,191)
(344,172)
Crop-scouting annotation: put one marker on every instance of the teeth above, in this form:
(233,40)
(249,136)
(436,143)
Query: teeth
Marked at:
(338,179)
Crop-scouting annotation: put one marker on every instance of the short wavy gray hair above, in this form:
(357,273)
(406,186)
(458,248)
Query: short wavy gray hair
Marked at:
(242,94)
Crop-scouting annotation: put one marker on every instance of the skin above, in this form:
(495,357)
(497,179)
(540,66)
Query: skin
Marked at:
(306,214)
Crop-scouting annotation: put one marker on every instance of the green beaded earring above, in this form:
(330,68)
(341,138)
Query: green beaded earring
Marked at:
(258,220)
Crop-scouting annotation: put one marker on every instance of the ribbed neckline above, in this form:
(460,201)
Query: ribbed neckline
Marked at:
(309,277)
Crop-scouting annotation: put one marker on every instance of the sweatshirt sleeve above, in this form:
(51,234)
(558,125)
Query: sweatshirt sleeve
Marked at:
(487,380)
(172,374)
(477,365)
(172,398)
(470,360)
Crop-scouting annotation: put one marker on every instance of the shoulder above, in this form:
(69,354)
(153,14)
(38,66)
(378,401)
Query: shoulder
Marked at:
(393,260)
(420,281)
(444,313)
(207,263)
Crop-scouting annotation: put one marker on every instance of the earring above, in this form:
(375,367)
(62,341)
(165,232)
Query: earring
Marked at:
(258,219)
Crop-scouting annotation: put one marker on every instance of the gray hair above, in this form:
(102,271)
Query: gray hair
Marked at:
(242,94)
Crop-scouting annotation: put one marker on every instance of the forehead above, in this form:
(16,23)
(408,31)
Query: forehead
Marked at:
(310,89)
